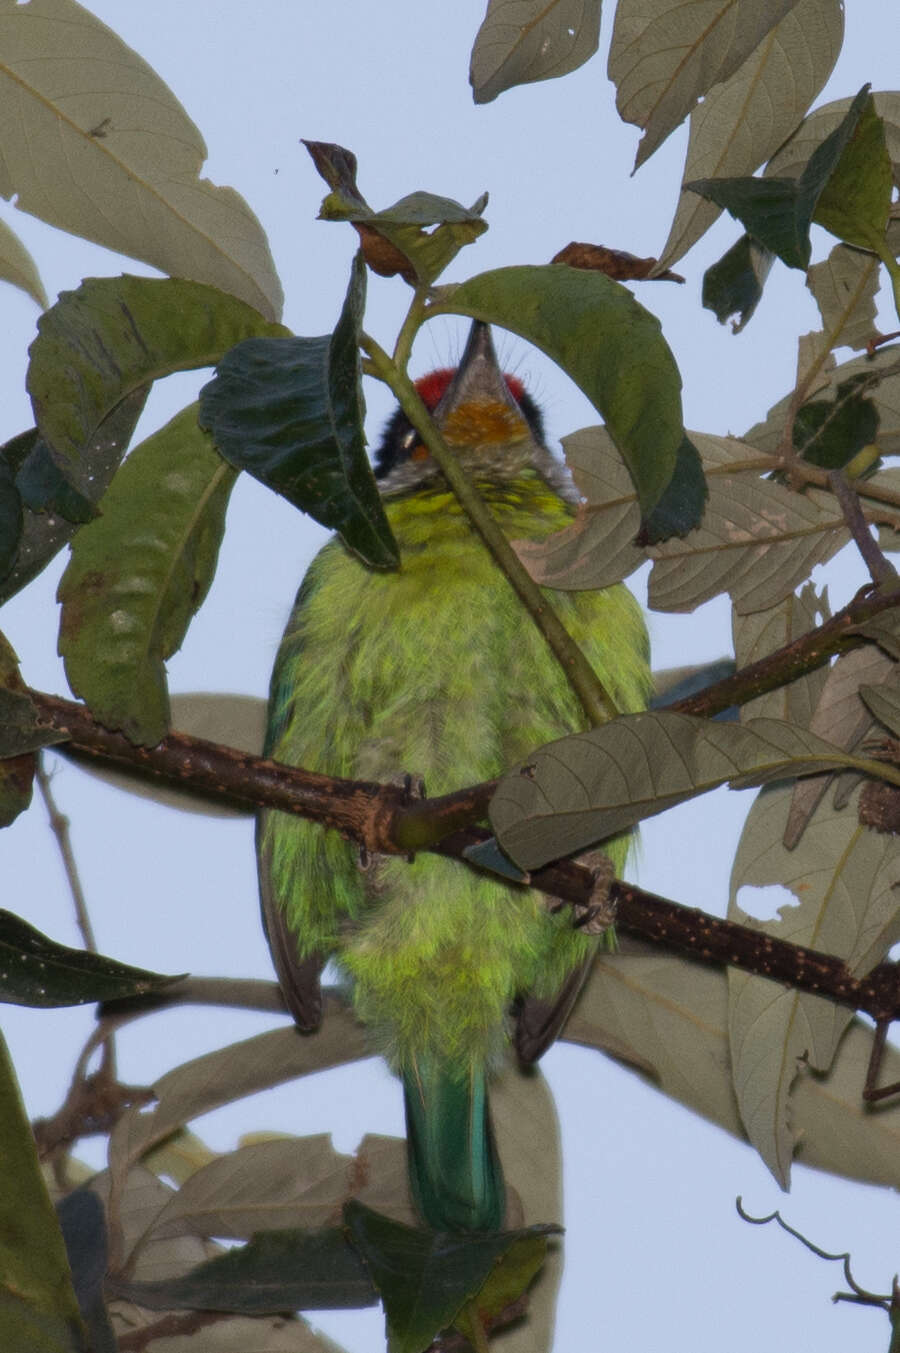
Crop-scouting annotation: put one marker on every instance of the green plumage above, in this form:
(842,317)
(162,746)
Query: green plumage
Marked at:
(434,670)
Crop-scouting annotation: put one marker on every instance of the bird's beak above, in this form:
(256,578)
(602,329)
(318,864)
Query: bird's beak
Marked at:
(477,408)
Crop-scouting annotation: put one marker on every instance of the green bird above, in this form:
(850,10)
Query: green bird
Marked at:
(436,670)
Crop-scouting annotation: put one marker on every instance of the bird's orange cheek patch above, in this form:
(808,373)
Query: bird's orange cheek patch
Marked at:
(490,423)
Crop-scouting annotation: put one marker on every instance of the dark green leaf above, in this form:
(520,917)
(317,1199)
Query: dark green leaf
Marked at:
(45,533)
(290,411)
(83,1225)
(488,855)
(10,519)
(20,735)
(778,211)
(337,167)
(21,729)
(16,450)
(675,513)
(734,285)
(829,432)
(510,1277)
(275,1271)
(115,334)
(36,971)
(426,1277)
(38,1310)
(855,203)
(611,347)
(45,487)
(139,573)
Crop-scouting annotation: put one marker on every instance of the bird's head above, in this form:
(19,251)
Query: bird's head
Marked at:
(487,418)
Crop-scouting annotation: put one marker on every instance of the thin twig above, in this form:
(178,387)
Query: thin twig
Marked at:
(871,1091)
(881,571)
(59,825)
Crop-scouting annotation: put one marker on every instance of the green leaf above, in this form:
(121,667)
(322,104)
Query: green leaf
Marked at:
(115,334)
(97,144)
(667,1017)
(611,347)
(885,705)
(229,1073)
(518,43)
(884,373)
(10,518)
(425,1278)
(18,267)
(45,487)
(584,788)
(45,532)
(290,411)
(675,514)
(845,285)
(36,971)
(665,55)
(487,855)
(743,120)
(510,1277)
(83,1225)
(139,572)
(38,1309)
(757,541)
(275,1271)
(427,252)
(21,729)
(855,203)
(734,285)
(20,735)
(829,432)
(778,211)
(844,877)
(430,251)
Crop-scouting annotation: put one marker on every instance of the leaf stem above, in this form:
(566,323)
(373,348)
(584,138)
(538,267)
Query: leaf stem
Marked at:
(410,327)
(595,700)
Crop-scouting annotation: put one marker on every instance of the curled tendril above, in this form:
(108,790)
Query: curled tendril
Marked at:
(856,1294)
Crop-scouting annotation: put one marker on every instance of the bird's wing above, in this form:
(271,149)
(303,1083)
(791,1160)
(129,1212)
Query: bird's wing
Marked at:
(299,978)
(539,1023)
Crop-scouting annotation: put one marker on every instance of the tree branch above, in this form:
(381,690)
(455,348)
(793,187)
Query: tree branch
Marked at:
(382,820)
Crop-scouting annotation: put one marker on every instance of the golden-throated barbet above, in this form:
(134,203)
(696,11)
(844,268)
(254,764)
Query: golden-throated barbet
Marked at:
(435,670)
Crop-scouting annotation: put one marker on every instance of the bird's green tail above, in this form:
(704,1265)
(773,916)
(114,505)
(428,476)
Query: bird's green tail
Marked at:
(454,1169)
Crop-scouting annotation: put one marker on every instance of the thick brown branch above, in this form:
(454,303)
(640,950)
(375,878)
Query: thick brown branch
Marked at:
(794,660)
(358,808)
(382,819)
(688,930)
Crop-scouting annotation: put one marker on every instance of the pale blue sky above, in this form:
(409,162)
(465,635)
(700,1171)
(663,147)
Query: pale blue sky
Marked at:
(656,1256)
